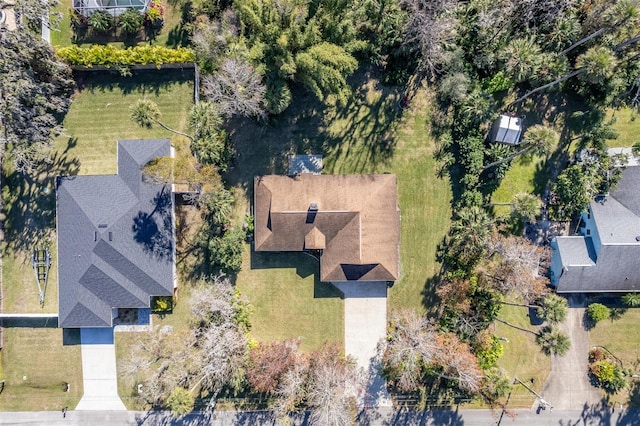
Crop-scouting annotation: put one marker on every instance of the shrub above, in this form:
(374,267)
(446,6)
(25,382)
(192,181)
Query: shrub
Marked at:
(598,312)
(631,299)
(161,304)
(180,402)
(130,21)
(595,355)
(489,357)
(110,55)
(608,376)
(101,21)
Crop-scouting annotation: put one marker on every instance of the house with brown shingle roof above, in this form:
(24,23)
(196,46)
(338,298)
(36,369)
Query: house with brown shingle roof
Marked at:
(351,222)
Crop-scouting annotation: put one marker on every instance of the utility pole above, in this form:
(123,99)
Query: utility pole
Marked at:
(543,404)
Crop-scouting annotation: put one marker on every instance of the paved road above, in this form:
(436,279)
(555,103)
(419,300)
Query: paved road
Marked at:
(365,324)
(594,416)
(568,387)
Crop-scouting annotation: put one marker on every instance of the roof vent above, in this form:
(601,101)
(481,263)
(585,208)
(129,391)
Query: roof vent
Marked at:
(102,225)
(313,207)
(638,238)
(110,236)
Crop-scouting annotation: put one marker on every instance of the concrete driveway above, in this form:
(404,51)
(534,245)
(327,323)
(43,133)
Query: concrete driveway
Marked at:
(365,324)
(568,387)
(99,371)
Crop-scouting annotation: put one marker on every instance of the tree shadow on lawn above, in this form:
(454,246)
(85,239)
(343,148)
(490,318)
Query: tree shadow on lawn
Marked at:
(30,201)
(151,81)
(305,266)
(355,138)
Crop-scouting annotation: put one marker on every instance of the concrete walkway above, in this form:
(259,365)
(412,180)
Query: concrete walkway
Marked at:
(568,387)
(365,324)
(99,371)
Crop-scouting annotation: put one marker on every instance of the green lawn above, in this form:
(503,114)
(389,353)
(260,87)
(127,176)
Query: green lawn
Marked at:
(522,356)
(621,337)
(38,354)
(526,175)
(289,301)
(627,125)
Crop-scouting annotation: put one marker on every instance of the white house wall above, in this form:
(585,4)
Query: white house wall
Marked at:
(591,230)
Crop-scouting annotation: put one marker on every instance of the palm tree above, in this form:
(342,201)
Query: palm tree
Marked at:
(538,140)
(631,299)
(525,206)
(468,235)
(598,63)
(553,309)
(553,341)
(145,113)
(523,58)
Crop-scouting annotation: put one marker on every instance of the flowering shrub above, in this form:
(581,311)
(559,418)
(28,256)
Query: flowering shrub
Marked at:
(155,14)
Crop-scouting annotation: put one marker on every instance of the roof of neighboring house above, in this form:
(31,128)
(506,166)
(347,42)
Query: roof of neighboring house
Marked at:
(576,251)
(616,267)
(616,270)
(115,239)
(356,224)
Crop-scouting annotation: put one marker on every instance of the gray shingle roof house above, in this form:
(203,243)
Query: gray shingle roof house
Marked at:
(606,257)
(115,239)
(351,221)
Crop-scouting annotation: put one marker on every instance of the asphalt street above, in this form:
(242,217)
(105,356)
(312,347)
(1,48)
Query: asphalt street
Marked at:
(588,416)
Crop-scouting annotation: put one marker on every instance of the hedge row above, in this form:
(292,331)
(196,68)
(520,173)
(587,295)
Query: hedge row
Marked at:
(111,56)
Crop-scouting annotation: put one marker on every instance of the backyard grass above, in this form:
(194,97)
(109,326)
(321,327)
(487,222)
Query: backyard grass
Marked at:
(627,125)
(621,337)
(522,357)
(526,175)
(39,355)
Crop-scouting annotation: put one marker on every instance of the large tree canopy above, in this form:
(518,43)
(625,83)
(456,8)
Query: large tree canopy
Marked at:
(35,90)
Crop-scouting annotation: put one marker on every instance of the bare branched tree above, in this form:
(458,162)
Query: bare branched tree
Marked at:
(415,346)
(517,265)
(334,384)
(236,88)
(430,27)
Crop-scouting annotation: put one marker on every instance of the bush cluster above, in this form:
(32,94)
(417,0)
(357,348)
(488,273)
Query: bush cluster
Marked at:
(112,56)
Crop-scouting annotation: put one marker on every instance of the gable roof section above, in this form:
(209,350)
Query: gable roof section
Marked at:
(115,239)
(357,221)
(615,268)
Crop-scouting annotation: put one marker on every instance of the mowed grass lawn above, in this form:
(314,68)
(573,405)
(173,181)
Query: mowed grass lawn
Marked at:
(371,134)
(522,357)
(98,117)
(622,338)
(627,124)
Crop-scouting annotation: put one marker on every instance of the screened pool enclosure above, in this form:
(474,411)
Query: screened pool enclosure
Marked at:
(114,7)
